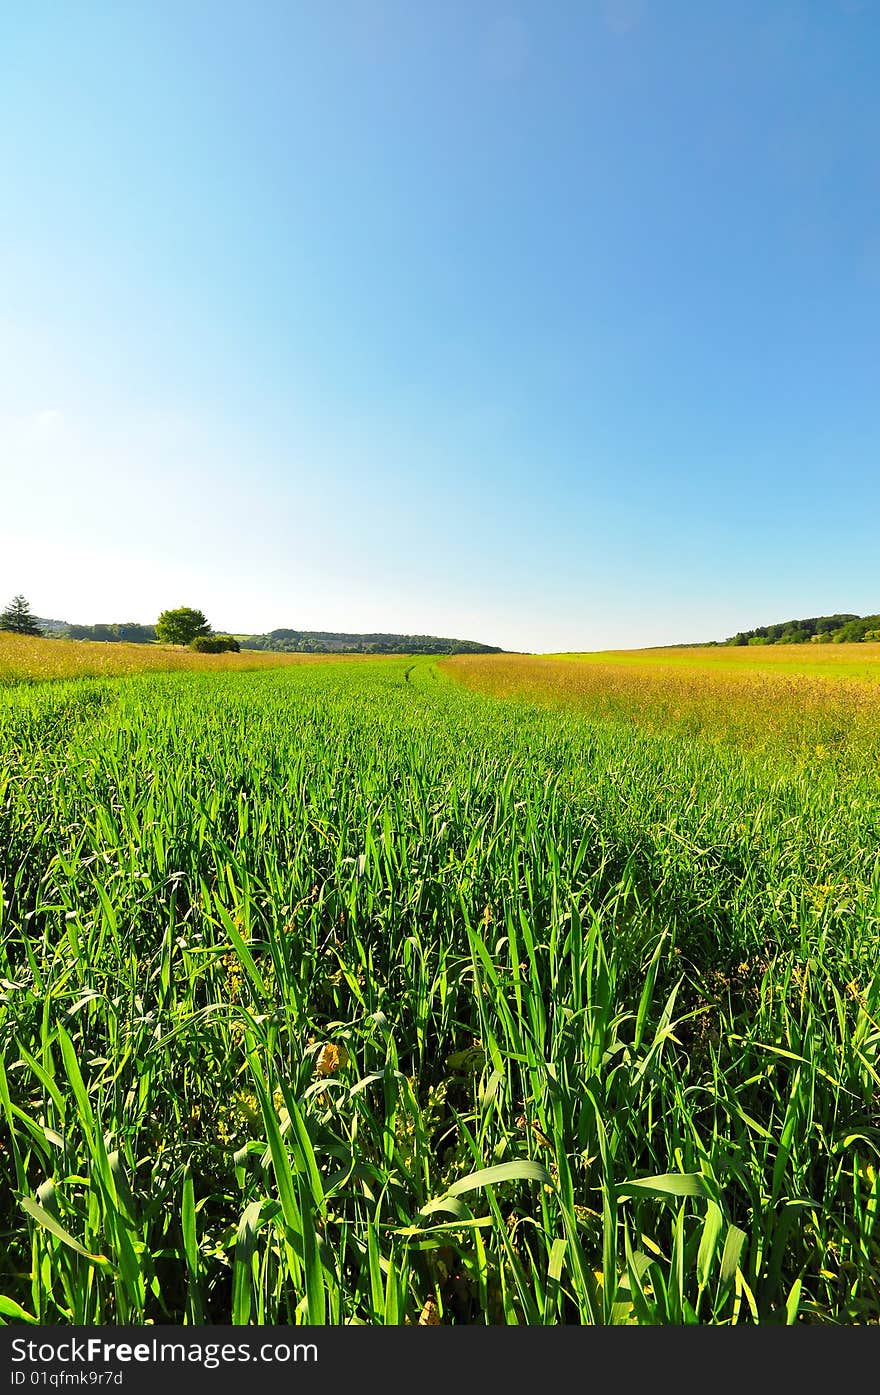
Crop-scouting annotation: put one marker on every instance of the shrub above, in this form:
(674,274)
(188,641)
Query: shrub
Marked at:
(215,644)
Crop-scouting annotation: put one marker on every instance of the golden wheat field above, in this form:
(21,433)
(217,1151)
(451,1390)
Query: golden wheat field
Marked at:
(24,658)
(820,660)
(827,716)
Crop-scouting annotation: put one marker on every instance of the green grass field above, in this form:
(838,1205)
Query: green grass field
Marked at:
(349,993)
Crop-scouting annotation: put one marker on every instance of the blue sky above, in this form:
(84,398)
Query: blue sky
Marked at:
(550,325)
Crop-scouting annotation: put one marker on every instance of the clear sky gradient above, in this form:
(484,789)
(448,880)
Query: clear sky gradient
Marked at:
(551,325)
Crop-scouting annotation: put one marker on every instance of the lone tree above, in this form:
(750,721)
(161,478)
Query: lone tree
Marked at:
(181,626)
(17,618)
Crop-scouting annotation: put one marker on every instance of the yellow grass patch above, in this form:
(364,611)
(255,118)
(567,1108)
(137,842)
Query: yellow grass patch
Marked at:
(860,661)
(24,657)
(825,717)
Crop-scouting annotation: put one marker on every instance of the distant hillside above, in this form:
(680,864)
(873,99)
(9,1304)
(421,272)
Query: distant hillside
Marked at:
(51,628)
(327,642)
(819,629)
(278,641)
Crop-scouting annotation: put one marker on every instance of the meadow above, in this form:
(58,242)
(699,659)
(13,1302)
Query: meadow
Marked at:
(834,661)
(482,991)
(26,659)
(784,702)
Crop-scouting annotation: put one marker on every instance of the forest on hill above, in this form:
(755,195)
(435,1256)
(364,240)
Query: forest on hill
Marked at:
(285,641)
(819,629)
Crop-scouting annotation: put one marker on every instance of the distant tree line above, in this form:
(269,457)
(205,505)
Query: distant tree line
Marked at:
(819,629)
(188,626)
(183,626)
(285,641)
(125,632)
